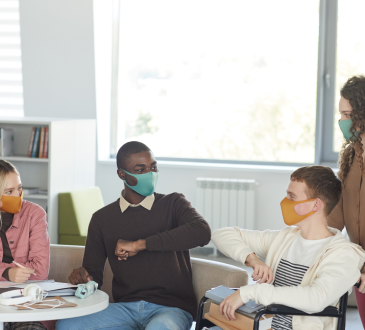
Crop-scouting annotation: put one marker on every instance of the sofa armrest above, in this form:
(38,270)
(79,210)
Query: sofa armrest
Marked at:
(209,274)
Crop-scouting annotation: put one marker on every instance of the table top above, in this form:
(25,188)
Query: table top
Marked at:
(92,304)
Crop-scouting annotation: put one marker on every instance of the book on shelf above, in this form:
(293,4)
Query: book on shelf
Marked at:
(6,142)
(35,148)
(45,146)
(30,190)
(41,143)
(38,143)
(31,141)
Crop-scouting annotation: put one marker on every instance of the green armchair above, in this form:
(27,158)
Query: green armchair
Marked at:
(75,209)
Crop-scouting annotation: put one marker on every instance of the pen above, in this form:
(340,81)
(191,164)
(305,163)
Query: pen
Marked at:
(21,266)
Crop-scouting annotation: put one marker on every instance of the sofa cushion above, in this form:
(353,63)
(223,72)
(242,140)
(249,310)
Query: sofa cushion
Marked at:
(207,274)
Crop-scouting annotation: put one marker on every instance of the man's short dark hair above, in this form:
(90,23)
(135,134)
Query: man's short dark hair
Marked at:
(321,182)
(128,149)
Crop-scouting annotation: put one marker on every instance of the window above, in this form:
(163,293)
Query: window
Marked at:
(219,80)
(11,88)
(350,51)
(234,81)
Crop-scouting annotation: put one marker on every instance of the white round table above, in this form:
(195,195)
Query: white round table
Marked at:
(92,304)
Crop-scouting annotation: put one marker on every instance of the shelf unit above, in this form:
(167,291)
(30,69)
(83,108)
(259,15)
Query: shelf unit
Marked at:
(24,159)
(70,164)
(35,196)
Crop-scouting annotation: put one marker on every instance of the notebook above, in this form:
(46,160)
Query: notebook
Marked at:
(219,293)
(50,287)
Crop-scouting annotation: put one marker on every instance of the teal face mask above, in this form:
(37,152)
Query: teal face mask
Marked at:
(345,126)
(146,183)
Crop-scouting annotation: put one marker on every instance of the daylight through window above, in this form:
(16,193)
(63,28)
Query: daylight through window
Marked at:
(230,80)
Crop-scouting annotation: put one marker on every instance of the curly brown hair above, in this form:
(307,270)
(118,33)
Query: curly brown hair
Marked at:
(354,92)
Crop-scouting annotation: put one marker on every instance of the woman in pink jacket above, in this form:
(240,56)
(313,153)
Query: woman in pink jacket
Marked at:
(23,237)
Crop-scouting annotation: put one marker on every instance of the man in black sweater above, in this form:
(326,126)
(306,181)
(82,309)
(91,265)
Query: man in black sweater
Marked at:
(146,237)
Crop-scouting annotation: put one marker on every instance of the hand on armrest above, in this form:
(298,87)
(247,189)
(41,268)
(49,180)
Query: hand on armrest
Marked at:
(262,273)
(361,281)
(229,305)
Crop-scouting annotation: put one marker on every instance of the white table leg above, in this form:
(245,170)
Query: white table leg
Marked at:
(1,325)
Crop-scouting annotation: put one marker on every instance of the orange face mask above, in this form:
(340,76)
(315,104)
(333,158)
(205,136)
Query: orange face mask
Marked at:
(290,216)
(12,204)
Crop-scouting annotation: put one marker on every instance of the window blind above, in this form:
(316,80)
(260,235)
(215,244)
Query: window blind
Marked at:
(11,84)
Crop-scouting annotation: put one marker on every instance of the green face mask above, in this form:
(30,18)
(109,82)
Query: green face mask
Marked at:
(146,183)
(345,126)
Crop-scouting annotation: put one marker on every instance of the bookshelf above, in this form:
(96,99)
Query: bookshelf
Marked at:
(70,164)
(24,159)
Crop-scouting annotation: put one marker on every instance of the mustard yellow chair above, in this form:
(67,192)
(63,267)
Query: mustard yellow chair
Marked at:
(75,209)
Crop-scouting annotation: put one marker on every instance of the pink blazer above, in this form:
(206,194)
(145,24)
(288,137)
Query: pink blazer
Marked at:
(28,241)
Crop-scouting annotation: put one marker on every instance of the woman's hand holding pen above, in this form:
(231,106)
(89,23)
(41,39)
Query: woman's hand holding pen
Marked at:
(20,275)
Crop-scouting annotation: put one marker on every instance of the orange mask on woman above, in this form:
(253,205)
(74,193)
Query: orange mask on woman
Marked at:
(11,204)
(291,217)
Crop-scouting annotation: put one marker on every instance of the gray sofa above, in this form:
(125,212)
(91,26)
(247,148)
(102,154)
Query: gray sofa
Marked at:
(206,274)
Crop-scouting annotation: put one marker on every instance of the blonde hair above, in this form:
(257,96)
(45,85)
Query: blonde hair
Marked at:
(5,169)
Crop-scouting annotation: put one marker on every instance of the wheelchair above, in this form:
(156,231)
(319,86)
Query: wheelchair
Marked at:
(276,309)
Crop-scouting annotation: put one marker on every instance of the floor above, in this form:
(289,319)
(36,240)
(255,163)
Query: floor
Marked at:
(353,321)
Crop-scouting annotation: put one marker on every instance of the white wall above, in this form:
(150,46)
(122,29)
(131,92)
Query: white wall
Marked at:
(58,58)
(178,178)
(59,81)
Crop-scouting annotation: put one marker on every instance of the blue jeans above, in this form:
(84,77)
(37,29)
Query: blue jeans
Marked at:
(138,315)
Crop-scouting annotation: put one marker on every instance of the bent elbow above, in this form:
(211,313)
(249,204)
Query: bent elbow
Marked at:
(319,306)
(206,236)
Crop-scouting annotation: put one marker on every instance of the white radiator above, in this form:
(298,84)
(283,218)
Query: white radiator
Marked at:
(226,202)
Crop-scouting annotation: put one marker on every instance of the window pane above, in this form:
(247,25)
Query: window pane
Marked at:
(350,51)
(232,80)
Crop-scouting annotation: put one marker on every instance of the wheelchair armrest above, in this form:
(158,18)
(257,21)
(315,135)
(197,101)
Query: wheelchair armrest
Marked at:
(285,310)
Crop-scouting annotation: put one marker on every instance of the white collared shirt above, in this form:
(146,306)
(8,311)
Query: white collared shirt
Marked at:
(146,203)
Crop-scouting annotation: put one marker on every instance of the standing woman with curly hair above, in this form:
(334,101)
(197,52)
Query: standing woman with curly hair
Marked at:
(23,238)
(350,211)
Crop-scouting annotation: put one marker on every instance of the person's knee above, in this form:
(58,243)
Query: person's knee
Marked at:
(67,324)
(167,324)
(172,320)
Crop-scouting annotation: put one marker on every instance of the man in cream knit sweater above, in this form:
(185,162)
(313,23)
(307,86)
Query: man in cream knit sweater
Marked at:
(308,266)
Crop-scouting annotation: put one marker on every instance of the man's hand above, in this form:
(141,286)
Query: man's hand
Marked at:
(125,249)
(362,286)
(20,275)
(229,305)
(262,273)
(80,276)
